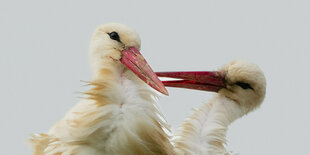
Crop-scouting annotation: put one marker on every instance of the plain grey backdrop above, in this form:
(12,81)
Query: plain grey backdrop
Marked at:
(44,47)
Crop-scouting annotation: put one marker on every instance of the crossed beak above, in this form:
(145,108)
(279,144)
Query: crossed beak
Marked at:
(198,80)
(134,60)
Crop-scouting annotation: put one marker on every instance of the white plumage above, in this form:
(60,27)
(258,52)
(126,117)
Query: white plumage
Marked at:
(119,116)
(204,131)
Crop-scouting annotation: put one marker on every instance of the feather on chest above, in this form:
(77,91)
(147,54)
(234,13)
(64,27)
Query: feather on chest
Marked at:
(125,119)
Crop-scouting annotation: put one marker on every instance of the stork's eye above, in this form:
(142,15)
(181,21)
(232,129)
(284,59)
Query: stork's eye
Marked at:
(244,85)
(114,35)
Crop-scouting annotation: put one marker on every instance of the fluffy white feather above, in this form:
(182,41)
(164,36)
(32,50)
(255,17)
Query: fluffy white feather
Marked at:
(204,132)
(119,116)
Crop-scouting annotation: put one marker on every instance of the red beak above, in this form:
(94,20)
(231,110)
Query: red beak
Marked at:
(207,81)
(134,60)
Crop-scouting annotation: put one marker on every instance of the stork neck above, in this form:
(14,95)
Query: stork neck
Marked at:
(223,112)
(103,71)
(204,132)
(121,85)
(128,114)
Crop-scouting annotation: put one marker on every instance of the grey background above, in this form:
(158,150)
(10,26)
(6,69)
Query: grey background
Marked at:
(44,47)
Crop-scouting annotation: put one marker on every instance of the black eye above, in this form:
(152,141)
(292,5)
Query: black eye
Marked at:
(244,85)
(113,35)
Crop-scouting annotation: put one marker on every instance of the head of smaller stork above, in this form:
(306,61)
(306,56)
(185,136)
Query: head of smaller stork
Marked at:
(245,83)
(240,81)
(117,46)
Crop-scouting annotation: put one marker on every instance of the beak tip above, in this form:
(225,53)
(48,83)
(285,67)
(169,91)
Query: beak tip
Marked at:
(164,91)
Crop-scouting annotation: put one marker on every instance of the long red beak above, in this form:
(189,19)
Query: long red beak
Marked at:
(134,60)
(200,80)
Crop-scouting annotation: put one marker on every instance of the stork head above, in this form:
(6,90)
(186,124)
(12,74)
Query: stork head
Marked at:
(240,81)
(117,46)
(245,83)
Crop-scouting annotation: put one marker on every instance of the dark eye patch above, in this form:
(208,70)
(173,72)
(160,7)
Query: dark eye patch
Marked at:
(114,35)
(244,85)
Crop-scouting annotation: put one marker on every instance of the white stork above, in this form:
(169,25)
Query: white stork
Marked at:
(119,116)
(240,88)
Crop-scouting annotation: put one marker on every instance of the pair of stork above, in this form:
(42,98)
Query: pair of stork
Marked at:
(120,115)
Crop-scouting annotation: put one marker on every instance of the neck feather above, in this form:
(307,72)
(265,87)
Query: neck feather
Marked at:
(204,132)
(122,116)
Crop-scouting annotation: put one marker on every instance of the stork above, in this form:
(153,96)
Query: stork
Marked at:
(240,88)
(119,116)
